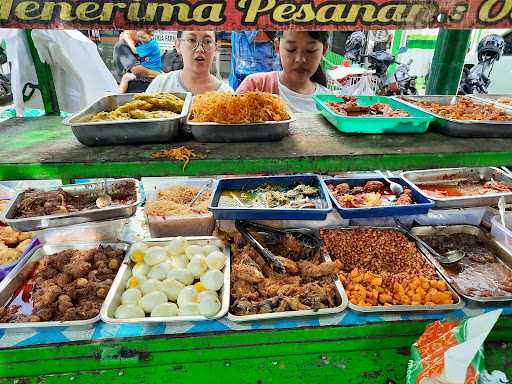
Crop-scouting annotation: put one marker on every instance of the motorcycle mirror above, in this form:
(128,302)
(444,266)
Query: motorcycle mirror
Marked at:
(402,50)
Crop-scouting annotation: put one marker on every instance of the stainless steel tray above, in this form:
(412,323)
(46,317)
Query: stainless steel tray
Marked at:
(502,253)
(22,272)
(341,296)
(444,175)
(29,224)
(126,131)
(113,299)
(492,99)
(407,308)
(229,133)
(462,128)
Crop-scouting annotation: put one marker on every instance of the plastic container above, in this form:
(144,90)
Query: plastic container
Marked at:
(502,234)
(383,221)
(246,183)
(418,121)
(109,230)
(469,216)
(421,203)
(171,226)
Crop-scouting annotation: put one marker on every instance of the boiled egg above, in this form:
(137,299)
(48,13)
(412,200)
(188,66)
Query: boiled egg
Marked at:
(177,246)
(180,261)
(155,255)
(197,265)
(149,301)
(129,311)
(140,270)
(135,281)
(209,306)
(216,260)
(187,295)
(151,285)
(193,250)
(182,275)
(207,249)
(165,310)
(137,252)
(172,288)
(131,296)
(207,293)
(189,309)
(213,280)
(160,271)
(219,243)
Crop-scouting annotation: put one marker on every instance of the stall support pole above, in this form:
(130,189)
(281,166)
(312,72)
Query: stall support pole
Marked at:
(448,61)
(44,79)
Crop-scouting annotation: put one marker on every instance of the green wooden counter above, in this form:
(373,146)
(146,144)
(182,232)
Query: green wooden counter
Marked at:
(44,148)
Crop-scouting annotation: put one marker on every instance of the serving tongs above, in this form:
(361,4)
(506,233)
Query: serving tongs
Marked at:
(304,236)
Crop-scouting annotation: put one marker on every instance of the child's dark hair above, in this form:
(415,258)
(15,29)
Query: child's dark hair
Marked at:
(180,33)
(322,36)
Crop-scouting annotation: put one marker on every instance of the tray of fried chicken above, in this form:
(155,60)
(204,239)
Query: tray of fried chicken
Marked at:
(283,275)
(363,197)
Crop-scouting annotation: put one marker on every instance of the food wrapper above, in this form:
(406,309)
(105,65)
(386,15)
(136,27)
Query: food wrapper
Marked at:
(451,352)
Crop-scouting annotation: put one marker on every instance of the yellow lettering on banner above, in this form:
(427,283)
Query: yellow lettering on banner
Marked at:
(420,14)
(488,13)
(83,11)
(168,11)
(108,10)
(330,13)
(305,14)
(355,10)
(391,12)
(25,10)
(133,11)
(65,11)
(282,13)
(213,13)
(5,9)
(255,7)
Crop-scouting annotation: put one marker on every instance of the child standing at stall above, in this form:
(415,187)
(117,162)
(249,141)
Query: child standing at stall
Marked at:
(302,77)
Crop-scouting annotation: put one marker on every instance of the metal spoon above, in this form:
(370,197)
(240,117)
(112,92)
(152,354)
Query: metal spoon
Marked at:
(104,200)
(202,190)
(449,257)
(501,208)
(396,188)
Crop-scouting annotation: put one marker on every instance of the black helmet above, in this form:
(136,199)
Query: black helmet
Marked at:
(356,40)
(490,45)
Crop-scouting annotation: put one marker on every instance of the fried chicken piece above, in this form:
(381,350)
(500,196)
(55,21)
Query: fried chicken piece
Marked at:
(309,269)
(44,297)
(9,236)
(77,268)
(44,313)
(22,236)
(405,198)
(283,306)
(290,266)
(9,314)
(22,247)
(357,190)
(88,309)
(373,186)
(247,273)
(295,304)
(8,255)
(62,279)
(244,307)
(341,189)
(241,289)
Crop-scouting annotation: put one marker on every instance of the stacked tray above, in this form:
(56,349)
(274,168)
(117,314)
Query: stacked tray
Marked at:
(163,130)
(461,128)
(492,99)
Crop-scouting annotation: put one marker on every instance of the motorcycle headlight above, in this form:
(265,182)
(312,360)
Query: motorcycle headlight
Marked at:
(413,82)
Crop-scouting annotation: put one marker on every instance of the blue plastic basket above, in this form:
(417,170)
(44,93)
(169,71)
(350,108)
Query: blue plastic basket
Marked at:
(246,183)
(421,206)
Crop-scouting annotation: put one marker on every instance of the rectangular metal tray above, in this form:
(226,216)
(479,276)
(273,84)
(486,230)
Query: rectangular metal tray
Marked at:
(417,122)
(35,223)
(341,296)
(231,133)
(407,308)
(269,213)
(126,131)
(501,253)
(422,204)
(492,99)
(444,175)
(462,128)
(22,271)
(113,299)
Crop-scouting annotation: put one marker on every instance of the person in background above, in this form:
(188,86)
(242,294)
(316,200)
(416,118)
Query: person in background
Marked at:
(148,51)
(302,77)
(252,52)
(197,48)
(126,61)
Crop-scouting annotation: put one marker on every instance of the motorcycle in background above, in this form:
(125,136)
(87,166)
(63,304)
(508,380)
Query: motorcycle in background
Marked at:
(5,82)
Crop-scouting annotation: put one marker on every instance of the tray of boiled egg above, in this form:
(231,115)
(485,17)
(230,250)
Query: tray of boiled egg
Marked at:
(169,280)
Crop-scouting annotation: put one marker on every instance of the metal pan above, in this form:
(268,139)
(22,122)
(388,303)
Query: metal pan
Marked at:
(230,133)
(502,253)
(407,308)
(126,131)
(462,128)
(340,295)
(35,223)
(22,272)
(492,99)
(113,299)
(445,175)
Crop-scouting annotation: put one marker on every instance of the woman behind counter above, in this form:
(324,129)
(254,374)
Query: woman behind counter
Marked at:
(197,49)
(302,77)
